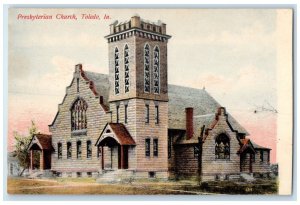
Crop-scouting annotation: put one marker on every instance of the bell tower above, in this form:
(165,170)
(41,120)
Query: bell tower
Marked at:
(138,60)
(138,96)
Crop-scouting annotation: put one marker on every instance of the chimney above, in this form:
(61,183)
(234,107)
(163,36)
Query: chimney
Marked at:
(189,114)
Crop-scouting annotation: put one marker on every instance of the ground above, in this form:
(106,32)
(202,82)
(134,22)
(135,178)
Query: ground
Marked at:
(141,187)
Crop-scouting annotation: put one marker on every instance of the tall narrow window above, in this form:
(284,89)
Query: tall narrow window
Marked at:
(117,72)
(78,85)
(156,67)
(261,155)
(147,113)
(156,114)
(222,147)
(88,149)
(99,149)
(155,147)
(169,147)
(69,150)
(268,156)
(118,110)
(78,149)
(78,115)
(126,114)
(196,152)
(147,147)
(147,68)
(126,68)
(59,150)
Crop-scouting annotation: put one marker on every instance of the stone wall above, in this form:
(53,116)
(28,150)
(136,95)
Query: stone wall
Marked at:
(212,167)
(259,166)
(61,130)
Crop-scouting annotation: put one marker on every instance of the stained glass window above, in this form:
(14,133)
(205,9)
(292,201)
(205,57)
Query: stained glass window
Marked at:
(222,147)
(78,115)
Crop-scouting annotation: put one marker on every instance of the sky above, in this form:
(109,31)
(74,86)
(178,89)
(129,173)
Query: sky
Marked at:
(232,53)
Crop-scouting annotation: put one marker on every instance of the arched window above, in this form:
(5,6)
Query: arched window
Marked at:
(156,67)
(69,150)
(78,149)
(147,68)
(222,147)
(88,149)
(59,150)
(126,68)
(117,72)
(78,115)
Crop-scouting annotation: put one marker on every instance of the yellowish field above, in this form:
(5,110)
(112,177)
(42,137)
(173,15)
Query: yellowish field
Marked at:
(81,186)
(89,186)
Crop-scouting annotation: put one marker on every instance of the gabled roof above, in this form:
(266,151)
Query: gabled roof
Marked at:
(256,146)
(204,106)
(120,134)
(180,97)
(42,140)
(246,145)
(101,84)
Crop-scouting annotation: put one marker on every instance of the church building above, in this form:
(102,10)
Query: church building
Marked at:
(133,123)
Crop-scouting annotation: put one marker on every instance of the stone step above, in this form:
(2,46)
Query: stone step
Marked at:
(116,176)
(247,177)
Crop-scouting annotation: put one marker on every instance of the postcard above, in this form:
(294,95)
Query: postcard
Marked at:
(150,101)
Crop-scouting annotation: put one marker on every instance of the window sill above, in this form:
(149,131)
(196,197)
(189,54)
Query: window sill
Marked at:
(79,132)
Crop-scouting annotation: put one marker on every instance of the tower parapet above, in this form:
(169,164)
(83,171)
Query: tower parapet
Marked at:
(138,27)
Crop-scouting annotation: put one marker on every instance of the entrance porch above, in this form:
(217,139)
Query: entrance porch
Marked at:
(113,144)
(40,149)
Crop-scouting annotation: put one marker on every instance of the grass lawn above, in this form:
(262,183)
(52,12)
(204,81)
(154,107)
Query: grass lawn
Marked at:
(141,187)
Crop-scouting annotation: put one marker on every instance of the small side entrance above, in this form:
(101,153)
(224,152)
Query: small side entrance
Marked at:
(114,143)
(113,155)
(40,149)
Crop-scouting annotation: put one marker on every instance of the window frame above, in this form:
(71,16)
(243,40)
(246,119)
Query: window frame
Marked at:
(156,50)
(222,151)
(116,71)
(196,151)
(79,150)
(89,149)
(147,71)
(79,115)
(126,71)
(126,113)
(59,150)
(147,113)
(147,147)
(69,150)
(117,113)
(156,114)
(155,147)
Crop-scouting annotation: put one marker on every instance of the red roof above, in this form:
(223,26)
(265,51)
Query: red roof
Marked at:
(246,143)
(121,134)
(44,140)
